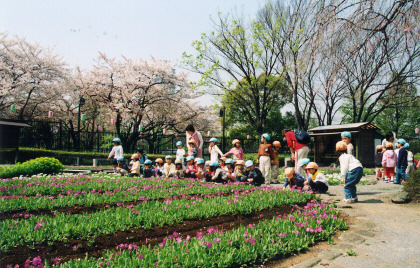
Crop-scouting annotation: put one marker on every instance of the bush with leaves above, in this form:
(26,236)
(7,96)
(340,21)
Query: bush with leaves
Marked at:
(412,187)
(45,165)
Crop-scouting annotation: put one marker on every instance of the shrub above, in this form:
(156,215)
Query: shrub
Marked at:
(45,165)
(412,187)
(417,156)
(68,158)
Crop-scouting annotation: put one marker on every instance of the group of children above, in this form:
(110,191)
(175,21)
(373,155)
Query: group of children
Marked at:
(394,165)
(351,171)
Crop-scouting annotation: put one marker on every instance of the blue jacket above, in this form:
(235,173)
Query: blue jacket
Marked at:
(402,158)
(298,180)
(147,173)
(257,176)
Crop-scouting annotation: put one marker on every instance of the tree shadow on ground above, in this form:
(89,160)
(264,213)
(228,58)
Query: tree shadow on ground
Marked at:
(371,201)
(369,193)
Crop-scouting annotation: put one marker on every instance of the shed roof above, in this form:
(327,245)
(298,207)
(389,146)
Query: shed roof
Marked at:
(13,123)
(347,127)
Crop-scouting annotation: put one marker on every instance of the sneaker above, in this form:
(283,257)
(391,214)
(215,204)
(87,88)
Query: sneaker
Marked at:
(355,199)
(348,201)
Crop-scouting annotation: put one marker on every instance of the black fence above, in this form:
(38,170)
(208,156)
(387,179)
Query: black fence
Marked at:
(54,136)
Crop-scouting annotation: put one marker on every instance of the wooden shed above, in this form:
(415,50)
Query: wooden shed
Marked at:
(9,140)
(363,140)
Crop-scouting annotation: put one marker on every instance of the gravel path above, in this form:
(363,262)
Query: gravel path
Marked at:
(382,234)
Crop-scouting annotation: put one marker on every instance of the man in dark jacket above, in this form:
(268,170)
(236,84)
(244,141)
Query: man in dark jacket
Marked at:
(254,176)
(402,162)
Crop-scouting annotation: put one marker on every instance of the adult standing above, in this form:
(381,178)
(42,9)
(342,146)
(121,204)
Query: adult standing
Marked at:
(192,134)
(389,137)
(298,150)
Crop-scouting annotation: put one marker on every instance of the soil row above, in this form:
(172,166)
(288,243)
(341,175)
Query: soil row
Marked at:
(95,247)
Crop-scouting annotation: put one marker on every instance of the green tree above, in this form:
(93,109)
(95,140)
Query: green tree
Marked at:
(239,60)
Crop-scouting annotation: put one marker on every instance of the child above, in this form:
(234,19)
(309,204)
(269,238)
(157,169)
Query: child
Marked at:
(265,154)
(230,170)
(275,163)
(135,167)
(142,158)
(317,180)
(294,179)
(240,172)
(149,170)
(301,165)
(209,171)
(378,163)
(222,162)
(389,162)
(214,151)
(180,152)
(200,169)
(254,176)
(219,175)
(351,172)
(346,137)
(192,150)
(179,169)
(122,167)
(402,162)
(117,151)
(159,167)
(168,168)
(410,160)
(191,168)
(236,151)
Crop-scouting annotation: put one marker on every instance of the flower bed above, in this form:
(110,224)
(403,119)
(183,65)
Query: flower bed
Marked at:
(133,232)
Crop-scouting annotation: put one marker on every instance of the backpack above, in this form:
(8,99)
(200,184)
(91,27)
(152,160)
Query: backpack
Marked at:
(302,136)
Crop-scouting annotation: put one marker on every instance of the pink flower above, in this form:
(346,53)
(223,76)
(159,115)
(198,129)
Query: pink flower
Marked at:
(75,248)
(140,256)
(178,239)
(209,244)
(155,264)
(251,241)
(230,242)
(202,243)
(217,240)
(101,264)
(57,261)
(164,208)
(36,261)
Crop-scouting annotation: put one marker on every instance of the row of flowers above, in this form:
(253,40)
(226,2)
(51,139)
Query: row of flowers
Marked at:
(94,196)
(147,215)
(216,248)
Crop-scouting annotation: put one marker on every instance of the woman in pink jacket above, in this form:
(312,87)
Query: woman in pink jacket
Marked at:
(389,162)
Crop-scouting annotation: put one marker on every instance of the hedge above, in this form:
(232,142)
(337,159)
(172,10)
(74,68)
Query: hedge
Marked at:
(412,187)
(68,158)
(45,165)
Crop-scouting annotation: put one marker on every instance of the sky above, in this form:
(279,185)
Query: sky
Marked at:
(78,29)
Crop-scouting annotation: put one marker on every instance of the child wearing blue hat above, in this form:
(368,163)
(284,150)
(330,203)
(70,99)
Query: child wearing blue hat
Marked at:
(255,176)
(410,160)
(117,152)
(402,162)
(149,170)
(346,137)
(169,167)
(122,167)
(214,151)
(180,152)
(218,175)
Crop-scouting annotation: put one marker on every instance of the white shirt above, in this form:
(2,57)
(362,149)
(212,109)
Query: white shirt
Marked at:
(350,149)
(410,156)
(180,154)
(384,142)
(321,177)
(117,151)
(347,163)
(214,153)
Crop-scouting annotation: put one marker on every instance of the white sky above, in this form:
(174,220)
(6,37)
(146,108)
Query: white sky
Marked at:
(79,29)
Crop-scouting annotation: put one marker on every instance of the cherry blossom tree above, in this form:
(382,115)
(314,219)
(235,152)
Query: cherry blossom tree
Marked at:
(29,75)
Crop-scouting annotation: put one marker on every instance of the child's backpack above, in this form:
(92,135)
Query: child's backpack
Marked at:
(302,136)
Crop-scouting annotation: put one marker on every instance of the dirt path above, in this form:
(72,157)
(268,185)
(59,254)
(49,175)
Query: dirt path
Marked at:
(381,234)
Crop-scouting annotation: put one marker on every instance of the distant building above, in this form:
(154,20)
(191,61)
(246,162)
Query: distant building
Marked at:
(363,137)
(9,140)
